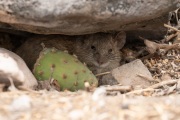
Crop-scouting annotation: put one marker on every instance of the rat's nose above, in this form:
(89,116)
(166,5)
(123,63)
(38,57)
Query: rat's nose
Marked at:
(99,59)
(100,62)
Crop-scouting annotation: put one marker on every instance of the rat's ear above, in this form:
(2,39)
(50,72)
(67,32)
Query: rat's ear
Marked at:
(120,37)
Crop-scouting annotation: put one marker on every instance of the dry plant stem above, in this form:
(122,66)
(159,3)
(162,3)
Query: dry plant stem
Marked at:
(140,91)
(168,47)
(152,47)
(161,84)
(139,53)
(168,26)
(119,88)
(174,46)
(169,37)
(147,56)
(156,45)
(100,74)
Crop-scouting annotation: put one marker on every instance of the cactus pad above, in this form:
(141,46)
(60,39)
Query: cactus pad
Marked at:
(69,72)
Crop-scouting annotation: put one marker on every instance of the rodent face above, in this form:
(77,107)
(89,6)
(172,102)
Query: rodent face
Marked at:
(103,50)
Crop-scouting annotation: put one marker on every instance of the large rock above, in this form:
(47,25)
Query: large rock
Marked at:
(74,17)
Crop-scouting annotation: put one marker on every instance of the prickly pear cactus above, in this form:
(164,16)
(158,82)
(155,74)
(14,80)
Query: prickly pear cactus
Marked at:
(66,69)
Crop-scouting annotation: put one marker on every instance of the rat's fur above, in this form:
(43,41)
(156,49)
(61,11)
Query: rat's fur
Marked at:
(5,41)
(100,51)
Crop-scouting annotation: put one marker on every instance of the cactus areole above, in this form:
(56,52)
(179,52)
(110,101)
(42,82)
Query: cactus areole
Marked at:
(70,73)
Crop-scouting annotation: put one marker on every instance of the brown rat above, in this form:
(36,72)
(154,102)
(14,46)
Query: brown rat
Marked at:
(5,41)
(100,51)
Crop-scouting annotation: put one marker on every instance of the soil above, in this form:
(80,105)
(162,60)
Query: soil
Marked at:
(45,105)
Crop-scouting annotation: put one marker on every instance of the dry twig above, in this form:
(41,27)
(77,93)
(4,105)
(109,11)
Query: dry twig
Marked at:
(168,26)
(169,37)
(135,92)
(152,47)
(161,84)
(119,88)
(104,73)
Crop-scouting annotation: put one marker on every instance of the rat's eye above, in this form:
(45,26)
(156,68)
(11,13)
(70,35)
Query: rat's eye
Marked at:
(93,47)
(110,51)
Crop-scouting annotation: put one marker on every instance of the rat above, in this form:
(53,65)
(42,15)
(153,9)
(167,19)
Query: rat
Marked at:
(5,41)
(100,51)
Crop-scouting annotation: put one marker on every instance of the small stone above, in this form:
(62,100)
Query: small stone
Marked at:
(127,74)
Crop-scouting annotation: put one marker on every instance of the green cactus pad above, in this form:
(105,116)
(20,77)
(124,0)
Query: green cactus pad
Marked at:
(66,69)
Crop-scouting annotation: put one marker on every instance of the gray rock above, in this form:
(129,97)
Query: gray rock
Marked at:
(75,17)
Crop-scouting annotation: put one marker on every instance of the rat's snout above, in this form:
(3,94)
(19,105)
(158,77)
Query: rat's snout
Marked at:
(103,63)
(100,61)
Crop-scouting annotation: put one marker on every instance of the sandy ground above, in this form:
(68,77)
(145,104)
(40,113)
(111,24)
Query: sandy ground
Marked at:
(52,105)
